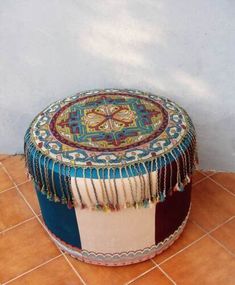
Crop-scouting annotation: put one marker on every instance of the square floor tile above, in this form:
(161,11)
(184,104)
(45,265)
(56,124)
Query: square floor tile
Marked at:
(211,204)
(154,277)
(30,195)
(205,262)
(99,275)
(197,176)
(225,179)
(191,233)
(226,235)
(15,165)
(5,181)
(56,272)
(13,209)
(23,248)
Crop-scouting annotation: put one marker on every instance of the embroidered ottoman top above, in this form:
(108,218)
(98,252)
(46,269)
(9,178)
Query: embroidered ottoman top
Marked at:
(111,133)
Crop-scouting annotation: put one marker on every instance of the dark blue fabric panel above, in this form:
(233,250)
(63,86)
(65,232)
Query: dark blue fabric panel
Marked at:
(60,220)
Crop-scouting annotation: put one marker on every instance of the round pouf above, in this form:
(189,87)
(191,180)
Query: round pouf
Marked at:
(112,171)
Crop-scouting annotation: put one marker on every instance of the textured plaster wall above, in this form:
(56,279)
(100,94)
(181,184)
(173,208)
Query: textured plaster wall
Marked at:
(181,49)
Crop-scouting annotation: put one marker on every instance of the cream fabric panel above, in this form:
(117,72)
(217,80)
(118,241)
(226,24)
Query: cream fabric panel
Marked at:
(113,232)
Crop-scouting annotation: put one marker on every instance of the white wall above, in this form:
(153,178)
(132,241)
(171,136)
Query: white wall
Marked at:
(50,49)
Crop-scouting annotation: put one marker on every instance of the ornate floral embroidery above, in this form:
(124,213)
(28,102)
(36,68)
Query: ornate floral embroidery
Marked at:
(124,125)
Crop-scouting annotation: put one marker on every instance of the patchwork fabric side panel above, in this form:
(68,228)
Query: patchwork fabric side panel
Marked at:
(60,220)
(126,230)
(171,214)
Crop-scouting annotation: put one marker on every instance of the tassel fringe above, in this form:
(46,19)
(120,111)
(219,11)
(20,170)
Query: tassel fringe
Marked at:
(142,184)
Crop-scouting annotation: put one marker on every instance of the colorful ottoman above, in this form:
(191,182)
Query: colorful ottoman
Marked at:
(112,171)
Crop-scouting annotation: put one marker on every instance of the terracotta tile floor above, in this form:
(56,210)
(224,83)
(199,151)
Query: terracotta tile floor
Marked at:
(204,254)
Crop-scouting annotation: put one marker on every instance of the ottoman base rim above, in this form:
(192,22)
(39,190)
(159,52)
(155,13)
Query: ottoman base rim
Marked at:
(122,258)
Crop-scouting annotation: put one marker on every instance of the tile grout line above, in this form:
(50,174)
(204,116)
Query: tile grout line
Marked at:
(32,269)
(205,176)
(222,186)
(20,184)
(195,241)
(19,224)
(154,262)
(140,275)
(214,229)
(203,172)
(182,249)
(74,269)
(6,190)
(164,272)
(77,273)
(222,245)
(15,226)
(149,270)
(200,180)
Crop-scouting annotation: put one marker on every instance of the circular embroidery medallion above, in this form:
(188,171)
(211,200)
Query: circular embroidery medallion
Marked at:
(108,122)
(109,126)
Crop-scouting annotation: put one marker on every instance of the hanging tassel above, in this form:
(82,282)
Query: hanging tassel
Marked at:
(147,184)
(159,187)
(124,189)
(188,179)
(165,176)
(108,206)
(131,187)
(146,203)
(69,204)
(56,198)
(117,206)
(181,187)
(155,197)
(144,182)
(161,197)
(43,190)
(135,189)
(104,198)
(87,190)
(49,196)
(66,186)
(144,193)
(112,204)
(176,188)
(187,156)
(150,180)
(63,198)
(140,204)
(28,176)
(82,204)
(112,208)
(47,180)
